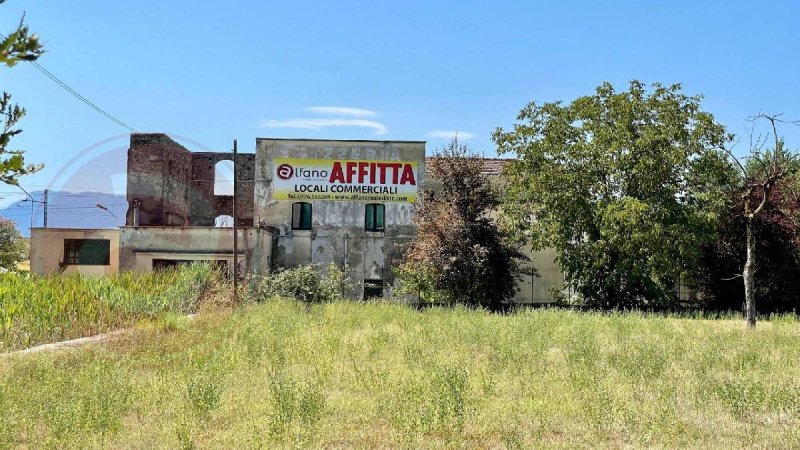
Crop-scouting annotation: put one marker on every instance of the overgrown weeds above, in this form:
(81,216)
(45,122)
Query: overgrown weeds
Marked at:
(283,374)
(36,309)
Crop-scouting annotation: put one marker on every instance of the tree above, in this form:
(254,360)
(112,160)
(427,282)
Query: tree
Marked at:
(17,46)
(765,173)
(12,246)
(459,255)
(625,186)
(776,232)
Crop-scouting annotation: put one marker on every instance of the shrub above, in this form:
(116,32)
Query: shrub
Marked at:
(308,283)
(419,282)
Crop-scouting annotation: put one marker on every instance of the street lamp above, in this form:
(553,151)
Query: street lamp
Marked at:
(103,207)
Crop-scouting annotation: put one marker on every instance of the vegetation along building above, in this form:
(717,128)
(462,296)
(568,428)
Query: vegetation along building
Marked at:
(298,201)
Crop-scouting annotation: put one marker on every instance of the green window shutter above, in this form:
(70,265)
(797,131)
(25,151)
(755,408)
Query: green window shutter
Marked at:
(87,252)
(370,211)
(306,222)
(379,216)
(301,216)
(374,217)
(94,252)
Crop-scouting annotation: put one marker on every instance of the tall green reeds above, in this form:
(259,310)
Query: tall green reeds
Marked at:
(36,309)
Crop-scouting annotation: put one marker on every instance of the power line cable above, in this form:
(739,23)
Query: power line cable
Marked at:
(81,195)
(78,95)
(82,98)
(69,187)
(71,194)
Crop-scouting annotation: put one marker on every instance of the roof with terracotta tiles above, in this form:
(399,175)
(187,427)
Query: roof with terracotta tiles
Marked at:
(491,166)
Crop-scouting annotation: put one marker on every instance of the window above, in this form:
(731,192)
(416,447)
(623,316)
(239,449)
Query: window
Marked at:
(223,178)
(374,217)
(301,216)
(373,288)
(87,252)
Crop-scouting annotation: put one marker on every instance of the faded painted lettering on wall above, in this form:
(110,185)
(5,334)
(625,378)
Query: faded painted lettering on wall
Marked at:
(345,180)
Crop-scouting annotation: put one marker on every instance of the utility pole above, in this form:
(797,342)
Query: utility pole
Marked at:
(235,228)
(32,202)
(45,208)
(30,198)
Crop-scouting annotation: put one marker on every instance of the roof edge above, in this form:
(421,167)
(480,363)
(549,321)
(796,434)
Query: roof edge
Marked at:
(384,141)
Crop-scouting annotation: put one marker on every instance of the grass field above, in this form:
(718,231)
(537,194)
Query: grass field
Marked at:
(35,309)
(287,374)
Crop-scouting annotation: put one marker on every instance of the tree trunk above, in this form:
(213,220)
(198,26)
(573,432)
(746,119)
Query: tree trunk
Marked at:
(749,276)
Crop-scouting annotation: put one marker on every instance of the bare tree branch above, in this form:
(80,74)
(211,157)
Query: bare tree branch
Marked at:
(763,203)
(736,160)
(738,275)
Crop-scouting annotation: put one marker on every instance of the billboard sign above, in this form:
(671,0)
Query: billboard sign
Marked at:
(344,180)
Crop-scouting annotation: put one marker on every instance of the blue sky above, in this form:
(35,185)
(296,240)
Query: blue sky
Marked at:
(209,72)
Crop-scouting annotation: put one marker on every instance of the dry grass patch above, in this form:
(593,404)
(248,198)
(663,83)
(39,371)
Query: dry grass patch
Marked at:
(285,374)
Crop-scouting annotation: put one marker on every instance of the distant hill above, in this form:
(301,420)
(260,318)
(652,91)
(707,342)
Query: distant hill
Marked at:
(69,210)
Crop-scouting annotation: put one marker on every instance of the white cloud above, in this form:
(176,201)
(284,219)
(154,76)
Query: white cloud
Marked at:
(318,124)
(450,134)
(342,111)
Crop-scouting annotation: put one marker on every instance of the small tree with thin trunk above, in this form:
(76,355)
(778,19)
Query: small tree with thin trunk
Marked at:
(763,172)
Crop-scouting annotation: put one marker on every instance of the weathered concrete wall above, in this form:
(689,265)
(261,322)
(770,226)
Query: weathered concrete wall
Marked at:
(139,246)
(175,187)
(47,251)
(338,234)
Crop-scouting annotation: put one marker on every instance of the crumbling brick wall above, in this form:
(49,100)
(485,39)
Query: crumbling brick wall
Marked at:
(175,187)
(204,205)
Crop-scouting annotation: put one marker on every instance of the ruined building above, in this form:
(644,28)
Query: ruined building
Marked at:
(299,201)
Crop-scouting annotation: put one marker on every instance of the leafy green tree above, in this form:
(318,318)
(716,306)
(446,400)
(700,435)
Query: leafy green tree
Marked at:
(625,186)
(459,254)
(12,246)
(18,46)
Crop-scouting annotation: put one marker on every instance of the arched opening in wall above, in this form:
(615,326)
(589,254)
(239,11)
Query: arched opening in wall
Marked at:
(223,178)
(223,221)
